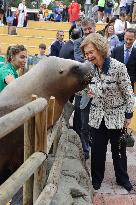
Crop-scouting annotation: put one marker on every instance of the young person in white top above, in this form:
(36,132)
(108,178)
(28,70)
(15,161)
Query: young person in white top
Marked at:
(22,14)
(121,24)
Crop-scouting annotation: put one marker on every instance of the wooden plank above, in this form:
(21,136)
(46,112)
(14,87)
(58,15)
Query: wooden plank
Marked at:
(135,88)
(52,134)
(49,25)
(10,187)
(54,175)
(16,118)
(29,148)
(50,33)
(133,121)
(31,50)
(58,25)
(4,29)
(51,107)
(40,145)
(29,132)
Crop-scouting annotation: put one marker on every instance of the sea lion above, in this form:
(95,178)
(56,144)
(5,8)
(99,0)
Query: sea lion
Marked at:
(52,76)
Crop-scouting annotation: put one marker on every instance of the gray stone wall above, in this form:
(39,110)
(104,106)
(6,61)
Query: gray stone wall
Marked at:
(74,186)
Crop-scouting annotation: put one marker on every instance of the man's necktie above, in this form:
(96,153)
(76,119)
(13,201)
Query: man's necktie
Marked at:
(126,56)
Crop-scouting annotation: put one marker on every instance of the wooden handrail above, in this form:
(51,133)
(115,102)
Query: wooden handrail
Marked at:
(34,117)
(9,188)
(8,123)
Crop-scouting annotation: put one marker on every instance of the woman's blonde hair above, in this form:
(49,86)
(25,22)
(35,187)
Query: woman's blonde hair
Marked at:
(99,42)
(106,29)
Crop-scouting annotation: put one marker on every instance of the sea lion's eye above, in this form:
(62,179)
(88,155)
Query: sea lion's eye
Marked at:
(75,68)
(61,71)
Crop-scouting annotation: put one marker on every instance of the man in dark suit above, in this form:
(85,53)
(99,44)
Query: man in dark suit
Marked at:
(127,54)
(67,50)
(56,46)
(82,103)
(76,25)
(88,26)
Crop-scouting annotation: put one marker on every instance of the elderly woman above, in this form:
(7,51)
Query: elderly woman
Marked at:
(16,59)
(111,109)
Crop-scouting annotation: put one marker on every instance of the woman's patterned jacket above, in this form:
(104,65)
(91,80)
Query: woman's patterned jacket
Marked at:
(113,97)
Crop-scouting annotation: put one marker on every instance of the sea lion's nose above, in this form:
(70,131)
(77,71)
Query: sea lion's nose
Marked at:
(61,70)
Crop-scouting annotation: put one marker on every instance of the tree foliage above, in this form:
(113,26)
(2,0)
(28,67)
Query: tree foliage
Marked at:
(16,3)
(29,2)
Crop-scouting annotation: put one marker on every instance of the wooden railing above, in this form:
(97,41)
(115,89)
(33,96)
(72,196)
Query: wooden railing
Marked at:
(35,116)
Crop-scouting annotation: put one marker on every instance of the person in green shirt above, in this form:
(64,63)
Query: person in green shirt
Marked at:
(16,58)
(101,5)
(2,60)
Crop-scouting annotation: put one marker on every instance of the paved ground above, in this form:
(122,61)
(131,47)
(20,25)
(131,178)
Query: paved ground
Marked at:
(112,194)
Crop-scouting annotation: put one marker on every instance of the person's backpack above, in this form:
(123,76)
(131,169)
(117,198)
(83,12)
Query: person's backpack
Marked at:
(110,3)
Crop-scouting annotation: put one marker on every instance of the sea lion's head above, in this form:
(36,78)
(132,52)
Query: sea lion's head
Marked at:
(84,73)
(52,76)
(69,76)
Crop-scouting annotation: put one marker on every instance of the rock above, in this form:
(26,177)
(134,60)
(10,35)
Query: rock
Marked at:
(74,186)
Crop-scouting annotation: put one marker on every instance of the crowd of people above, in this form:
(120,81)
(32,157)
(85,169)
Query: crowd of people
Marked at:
(59,12)
(17,18)
(100,10)
(105,106)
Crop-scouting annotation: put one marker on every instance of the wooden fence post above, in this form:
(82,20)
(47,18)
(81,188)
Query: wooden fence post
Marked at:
(29,148)
(40,145)
(50,189)
(51,106)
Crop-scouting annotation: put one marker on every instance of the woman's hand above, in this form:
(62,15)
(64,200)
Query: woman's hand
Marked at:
(127,122)
(9,78)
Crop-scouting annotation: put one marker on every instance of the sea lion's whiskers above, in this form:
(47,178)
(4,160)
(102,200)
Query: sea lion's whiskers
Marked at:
(87,78)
